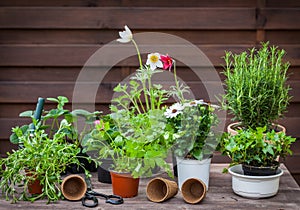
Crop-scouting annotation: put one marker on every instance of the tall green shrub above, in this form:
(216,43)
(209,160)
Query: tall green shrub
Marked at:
(256,90)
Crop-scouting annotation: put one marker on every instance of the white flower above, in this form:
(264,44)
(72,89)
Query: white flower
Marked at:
(174,110)
(154,61)
(126,36)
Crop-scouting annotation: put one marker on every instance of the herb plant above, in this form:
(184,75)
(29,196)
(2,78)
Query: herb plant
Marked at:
(256,90)
(256,147)
(44,157)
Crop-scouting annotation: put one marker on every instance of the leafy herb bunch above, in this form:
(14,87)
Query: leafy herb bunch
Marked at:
(257,147)
(256,90)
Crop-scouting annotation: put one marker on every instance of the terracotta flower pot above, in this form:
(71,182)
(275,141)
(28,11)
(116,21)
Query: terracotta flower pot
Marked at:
(34,186)
(234,127)
(73,187)
(160,189)
(124,184)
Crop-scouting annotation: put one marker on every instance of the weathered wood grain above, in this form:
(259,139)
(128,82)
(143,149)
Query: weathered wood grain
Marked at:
(219,196)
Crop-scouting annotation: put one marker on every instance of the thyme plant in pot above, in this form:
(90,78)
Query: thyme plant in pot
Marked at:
(256,93)
(144,137)
(254,154)
(195,138)
(40,160)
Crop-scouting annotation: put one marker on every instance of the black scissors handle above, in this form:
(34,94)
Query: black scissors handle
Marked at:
(114,199)
(89,197)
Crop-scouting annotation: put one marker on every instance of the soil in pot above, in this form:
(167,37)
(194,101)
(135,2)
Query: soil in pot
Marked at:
(124,184)
(259,171)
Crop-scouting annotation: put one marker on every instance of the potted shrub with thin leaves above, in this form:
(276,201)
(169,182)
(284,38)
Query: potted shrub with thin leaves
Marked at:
(256,92)
(195,138)
(254,155)
(40,160)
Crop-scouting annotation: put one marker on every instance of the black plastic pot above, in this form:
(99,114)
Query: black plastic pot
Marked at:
(103,172)
(90,166)
(259,171)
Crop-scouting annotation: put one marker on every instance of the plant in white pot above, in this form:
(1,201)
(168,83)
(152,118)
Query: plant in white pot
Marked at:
(254,153)
(256,93)
(195,138)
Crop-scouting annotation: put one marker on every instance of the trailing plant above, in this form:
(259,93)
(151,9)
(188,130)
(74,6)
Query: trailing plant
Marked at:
(256,90)
(43,157)
(257,147)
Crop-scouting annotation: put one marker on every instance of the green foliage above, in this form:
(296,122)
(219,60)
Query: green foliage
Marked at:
(44,157)
(194,135)
(137,143)
(256,147)
(256,90)
(50,121)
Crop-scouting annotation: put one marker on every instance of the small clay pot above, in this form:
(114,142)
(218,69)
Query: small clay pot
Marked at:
(160,189)
(124,184)
(73,187)
(193,190)
(34,186)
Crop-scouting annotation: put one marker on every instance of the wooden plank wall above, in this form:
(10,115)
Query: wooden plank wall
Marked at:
(44,45)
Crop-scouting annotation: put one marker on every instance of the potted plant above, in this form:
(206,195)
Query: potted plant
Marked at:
(254,155)
(195,138)
(105,132)
(50,121)
(40,161)
(256,92)
(144,137)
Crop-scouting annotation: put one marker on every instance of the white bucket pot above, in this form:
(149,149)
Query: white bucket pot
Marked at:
(254,186)
(188,168)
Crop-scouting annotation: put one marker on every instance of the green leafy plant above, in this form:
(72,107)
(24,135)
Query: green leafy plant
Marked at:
(193,124)
(144,137)
(256,89)
(44,157)
(50,121)
(256,147)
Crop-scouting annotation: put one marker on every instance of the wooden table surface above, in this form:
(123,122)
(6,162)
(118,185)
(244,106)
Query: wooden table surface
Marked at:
(219,196)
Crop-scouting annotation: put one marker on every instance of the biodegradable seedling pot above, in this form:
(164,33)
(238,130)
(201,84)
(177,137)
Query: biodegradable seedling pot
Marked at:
(73,187)
(124,184)
(160,189)
(193,190)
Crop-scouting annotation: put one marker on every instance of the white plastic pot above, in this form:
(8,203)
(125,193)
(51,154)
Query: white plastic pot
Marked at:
(188,168)
(254,186)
